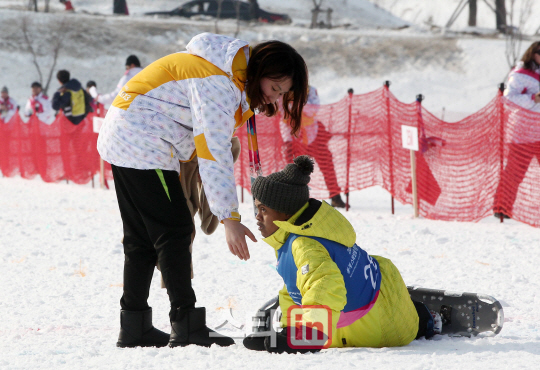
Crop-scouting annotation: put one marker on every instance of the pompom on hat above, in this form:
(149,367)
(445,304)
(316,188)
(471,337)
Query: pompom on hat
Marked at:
(285,191)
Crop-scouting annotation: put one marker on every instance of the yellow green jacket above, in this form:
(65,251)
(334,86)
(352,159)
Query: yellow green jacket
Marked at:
(348,283)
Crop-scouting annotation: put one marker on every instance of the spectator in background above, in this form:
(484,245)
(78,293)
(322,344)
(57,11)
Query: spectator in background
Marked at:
(68,5)
(39,104)
(89,86)
(133,66)
(120,7)
(8,105)
(313,141)
(71,98)
(524,90)
(91,89)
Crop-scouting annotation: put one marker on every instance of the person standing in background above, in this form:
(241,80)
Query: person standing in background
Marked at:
(120,7)
(71,98)
(313,141)
(523,90)
(91,89)
(133,66)
(68,5)
(8,105)
(40,105)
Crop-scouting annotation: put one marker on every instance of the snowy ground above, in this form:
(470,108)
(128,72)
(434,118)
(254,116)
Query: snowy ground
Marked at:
(61,272)
(60,252)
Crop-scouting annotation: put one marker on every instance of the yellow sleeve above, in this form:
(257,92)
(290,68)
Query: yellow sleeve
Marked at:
(285,301)
(319,280)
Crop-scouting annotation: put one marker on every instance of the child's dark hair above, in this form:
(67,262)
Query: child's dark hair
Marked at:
(277,60)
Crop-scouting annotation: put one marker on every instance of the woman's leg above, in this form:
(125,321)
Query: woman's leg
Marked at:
(319,150)
(157,226)
(519,158)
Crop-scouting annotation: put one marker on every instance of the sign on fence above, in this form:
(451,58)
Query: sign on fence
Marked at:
(409,137)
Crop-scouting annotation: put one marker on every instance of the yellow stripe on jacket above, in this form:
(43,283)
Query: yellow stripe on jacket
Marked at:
(174,67)
(180,66)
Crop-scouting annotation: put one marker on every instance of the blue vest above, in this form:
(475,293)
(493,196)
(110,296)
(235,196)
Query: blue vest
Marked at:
(360,271)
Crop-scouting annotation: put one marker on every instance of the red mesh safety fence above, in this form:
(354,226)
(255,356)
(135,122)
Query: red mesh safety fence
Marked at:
(459,164)
(59,151)
(466,170)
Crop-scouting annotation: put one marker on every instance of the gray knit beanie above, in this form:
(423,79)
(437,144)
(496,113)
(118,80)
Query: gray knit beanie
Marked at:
(285,191)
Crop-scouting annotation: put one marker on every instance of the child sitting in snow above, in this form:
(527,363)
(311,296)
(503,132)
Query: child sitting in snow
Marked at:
(323,267)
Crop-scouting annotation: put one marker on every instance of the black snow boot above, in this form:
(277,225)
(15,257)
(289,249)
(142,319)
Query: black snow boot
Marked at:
(337,202)
(136,330)
(254,343)
(189,327)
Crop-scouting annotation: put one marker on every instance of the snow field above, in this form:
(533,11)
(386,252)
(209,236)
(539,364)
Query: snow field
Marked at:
(60,252)
(61,262)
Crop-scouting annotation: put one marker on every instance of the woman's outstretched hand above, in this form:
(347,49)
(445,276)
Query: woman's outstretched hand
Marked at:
(235,234)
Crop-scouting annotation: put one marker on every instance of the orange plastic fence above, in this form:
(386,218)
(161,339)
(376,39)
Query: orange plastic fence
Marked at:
(357,145)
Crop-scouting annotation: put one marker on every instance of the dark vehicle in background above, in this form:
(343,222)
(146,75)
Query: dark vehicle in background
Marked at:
(228,11)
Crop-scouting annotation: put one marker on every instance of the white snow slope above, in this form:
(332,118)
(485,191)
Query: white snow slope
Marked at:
(60,252)
(61,272)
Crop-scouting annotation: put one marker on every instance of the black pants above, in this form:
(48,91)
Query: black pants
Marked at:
(157,227)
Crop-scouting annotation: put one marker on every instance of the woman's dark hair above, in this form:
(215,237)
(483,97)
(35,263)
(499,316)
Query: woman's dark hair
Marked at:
(276,60)
(528,57)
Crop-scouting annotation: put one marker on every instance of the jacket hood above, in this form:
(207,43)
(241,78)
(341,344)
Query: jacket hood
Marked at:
(73,85)
(327,223)
(217,49)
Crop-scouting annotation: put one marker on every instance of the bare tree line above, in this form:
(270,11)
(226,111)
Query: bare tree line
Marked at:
(517,19)
(45,52)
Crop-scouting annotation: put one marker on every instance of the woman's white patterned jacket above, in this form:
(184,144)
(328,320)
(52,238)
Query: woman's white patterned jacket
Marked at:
(184,105)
